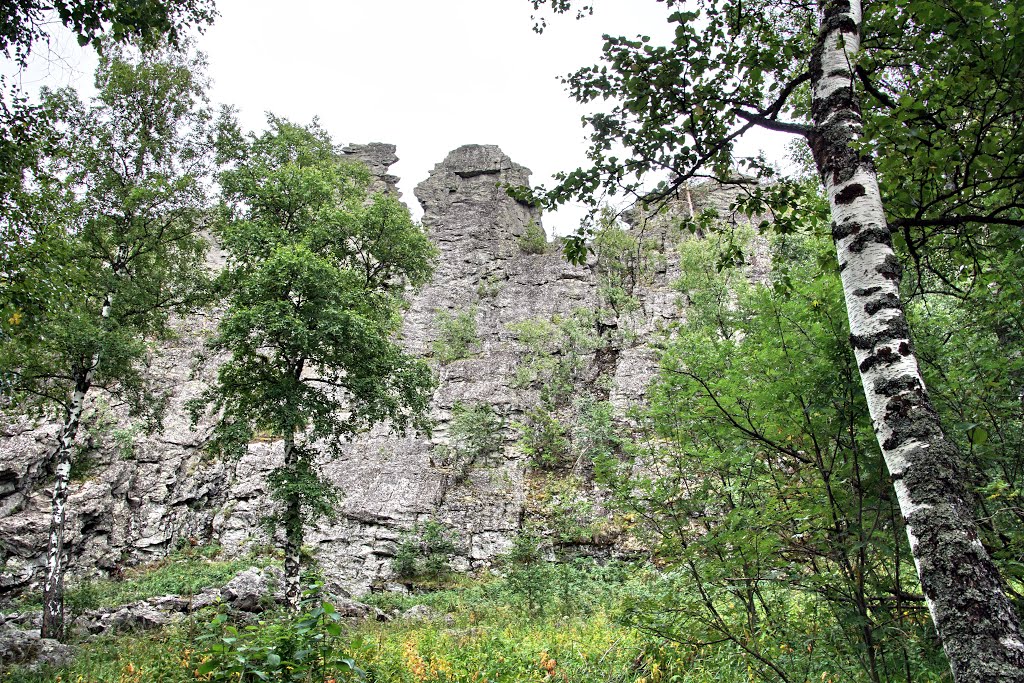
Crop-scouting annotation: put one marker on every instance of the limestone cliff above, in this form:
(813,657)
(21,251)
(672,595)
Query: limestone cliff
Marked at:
(137,496)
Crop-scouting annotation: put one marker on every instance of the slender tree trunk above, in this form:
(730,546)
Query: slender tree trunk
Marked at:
(977,625)
(53,587)
(292,534)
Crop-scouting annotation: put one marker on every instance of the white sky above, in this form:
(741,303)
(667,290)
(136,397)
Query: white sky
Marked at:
(426,76)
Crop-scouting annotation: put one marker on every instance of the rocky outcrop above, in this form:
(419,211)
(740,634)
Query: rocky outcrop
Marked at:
(378,157)
(137,496)
(25,647)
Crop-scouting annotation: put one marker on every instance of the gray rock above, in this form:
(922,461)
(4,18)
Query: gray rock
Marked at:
(353,609)
(419,613)
(253,589)
(27,649)
(146,494)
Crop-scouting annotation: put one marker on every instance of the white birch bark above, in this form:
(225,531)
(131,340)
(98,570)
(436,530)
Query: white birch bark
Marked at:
(978,627)
(53,587)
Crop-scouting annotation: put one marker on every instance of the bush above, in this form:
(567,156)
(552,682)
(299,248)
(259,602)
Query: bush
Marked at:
(534,240)
(283,646)
(555,353)
(474,433)
(489,287)
(457,336)
(529,577)
(544,440)
(424,553)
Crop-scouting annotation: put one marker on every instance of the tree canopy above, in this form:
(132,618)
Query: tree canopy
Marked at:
(99,22)
(315,282)
(905,107)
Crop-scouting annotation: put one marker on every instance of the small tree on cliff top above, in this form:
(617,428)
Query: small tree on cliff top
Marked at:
(315,282)
(104,249)
(931,94)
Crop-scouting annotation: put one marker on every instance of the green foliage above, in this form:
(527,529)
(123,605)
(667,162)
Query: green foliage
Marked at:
(730,69)
(475,432)
(100,22)
(555,350)
(528,573)
(302,646)
(543,438)
(424,552)
(482,631)
(316,277)
(489,287)
(974,377)
(762,487)
(84,464)
(457,336)
(624,261)
(184,572)
(301,481)
(115,218)
(533,240)
(595,434)
(148,656)
(124,439)
(563,508)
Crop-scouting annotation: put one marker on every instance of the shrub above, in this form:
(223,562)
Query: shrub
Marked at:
(424,553)
(555,353)
(474,432)
(457,336)
(624,261)
(283,646)
(543,438)
(489,287)
(534,240)
(529,575)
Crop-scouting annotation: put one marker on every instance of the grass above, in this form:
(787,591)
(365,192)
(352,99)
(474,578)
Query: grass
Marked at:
(185,572)
(540,623)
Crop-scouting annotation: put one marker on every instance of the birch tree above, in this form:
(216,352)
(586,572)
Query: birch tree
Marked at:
(87,295)
(930,92)
(315,281)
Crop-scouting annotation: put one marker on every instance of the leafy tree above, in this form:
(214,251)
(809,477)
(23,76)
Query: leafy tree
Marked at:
(102,23)
(315,280)
(25,23)
(911,108)
(760,486)
(93,277)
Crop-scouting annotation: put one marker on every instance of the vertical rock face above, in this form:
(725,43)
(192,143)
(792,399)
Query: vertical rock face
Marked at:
(378,157)
(143,494)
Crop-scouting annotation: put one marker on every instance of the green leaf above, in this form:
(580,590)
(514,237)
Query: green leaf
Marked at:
(977,435)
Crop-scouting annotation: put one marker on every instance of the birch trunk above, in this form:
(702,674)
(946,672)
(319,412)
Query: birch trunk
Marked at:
(292,534)
(53,586)
(979,629)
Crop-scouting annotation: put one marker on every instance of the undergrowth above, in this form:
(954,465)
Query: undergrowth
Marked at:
(184,572)
(538,623)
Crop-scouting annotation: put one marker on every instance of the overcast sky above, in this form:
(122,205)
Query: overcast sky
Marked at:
(426,76)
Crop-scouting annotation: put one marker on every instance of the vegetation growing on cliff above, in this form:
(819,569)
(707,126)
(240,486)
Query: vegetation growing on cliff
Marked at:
(765,488)
(904,138)
(106,249)
(316,275)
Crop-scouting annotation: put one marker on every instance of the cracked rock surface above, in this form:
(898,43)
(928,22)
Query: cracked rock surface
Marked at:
(141,495)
